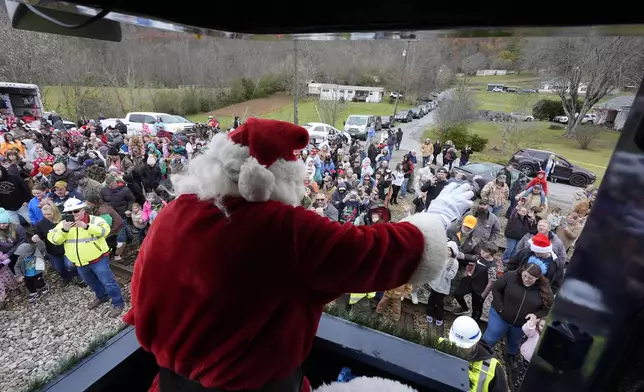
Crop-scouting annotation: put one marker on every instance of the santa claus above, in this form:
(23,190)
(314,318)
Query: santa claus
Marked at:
(230,283)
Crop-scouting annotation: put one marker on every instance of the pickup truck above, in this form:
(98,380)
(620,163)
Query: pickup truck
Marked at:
(135,121)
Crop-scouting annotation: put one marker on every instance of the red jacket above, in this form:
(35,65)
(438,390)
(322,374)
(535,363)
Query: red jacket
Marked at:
(540,181)
(234,302)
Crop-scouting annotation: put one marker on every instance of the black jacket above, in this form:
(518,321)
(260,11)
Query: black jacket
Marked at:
(150,177)
(42,228)
(120,199)
(433,190)
(483,352)
(554,274)
(13,191)
(438,148)
(518,226)
(513,301)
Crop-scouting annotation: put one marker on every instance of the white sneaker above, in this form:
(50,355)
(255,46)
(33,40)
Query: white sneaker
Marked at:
(414,298)
(117,258)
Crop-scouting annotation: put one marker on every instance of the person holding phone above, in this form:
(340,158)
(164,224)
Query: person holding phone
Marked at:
(83,237)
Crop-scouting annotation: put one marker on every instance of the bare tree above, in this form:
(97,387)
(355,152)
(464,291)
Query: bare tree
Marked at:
(459,108)
(586,135)
(473,63)
(598,64)
(331,111)
(518,135)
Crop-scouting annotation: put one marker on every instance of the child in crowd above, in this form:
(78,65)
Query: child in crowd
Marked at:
(478,281)
(395,296)
(153,205)
(440,286)
(29,269)
(554,218)
(541,180)
(532,329)
(138,221)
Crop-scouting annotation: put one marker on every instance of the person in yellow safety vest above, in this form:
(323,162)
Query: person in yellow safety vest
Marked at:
(359,302)
(486,373)
(83,237)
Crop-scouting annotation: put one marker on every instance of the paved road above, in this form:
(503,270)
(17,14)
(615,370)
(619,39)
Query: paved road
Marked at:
(560,194)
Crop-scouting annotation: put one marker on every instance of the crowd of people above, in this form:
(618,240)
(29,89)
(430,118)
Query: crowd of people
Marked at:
(77,197)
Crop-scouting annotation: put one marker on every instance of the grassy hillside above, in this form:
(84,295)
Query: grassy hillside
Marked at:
(523,80)
(308,111)
(551,137)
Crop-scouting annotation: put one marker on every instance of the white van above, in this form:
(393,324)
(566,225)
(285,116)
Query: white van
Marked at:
(357,125)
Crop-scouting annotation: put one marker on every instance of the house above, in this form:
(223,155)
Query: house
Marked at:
(614,111)
(491,72)
(554,86)
(329,92)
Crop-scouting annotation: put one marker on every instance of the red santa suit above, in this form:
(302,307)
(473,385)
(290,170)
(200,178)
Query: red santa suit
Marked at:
(229,286)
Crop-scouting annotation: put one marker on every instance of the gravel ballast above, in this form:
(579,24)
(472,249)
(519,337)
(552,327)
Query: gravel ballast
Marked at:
(36,340)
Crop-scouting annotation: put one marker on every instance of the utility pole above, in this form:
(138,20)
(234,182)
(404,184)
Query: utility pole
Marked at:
(402,87)
(295,84)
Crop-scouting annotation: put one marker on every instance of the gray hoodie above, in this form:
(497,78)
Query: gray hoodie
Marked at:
(442,283)
(26,250)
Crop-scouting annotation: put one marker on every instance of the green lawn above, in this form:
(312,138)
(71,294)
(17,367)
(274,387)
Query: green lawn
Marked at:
(225,121)
(523,80)
(595,159)
(510,102)
(308,111)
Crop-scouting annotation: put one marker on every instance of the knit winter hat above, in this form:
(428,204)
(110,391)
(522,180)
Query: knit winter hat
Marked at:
(45,170)
(109,179)
(540,244)
(4,216)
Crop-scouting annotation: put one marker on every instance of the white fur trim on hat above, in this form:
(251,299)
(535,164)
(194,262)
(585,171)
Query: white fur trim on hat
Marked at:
(227,169)
(366,384)
(433,261)
(256,183)
(540,249)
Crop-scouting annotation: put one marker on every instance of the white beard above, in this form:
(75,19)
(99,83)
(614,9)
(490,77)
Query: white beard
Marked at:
(216,174)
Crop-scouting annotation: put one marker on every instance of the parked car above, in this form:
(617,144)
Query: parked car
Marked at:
(416,112)
(485,170)
(320,132)
(404,116)
(511,90)
(521,117)
(357,125)
(497,90)
(529,161)
(529,90)
(589,119)
(135,121)
(561,119)
(386,122)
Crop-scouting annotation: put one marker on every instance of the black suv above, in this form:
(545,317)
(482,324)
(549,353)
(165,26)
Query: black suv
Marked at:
(530,161)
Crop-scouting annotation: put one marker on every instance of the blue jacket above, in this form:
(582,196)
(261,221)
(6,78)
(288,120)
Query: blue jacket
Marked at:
(35,215)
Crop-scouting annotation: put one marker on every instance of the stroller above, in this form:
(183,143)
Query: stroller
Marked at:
(375,208)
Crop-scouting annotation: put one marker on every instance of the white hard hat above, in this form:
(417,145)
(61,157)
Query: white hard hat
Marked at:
(73,204)
(465,332)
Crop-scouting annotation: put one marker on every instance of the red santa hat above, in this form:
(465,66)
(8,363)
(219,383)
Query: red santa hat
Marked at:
(540,244)
(268,142)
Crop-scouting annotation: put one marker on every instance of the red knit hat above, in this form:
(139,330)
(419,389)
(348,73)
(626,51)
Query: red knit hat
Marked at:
(270,140)
(541,244)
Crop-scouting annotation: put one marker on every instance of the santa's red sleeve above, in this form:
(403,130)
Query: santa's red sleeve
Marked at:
(331,259)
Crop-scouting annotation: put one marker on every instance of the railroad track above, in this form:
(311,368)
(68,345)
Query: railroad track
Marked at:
(122,271)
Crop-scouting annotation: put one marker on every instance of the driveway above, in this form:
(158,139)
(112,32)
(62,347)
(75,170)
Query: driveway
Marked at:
(560,194)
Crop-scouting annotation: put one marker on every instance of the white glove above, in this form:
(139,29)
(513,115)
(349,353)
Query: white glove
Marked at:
(452,202)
